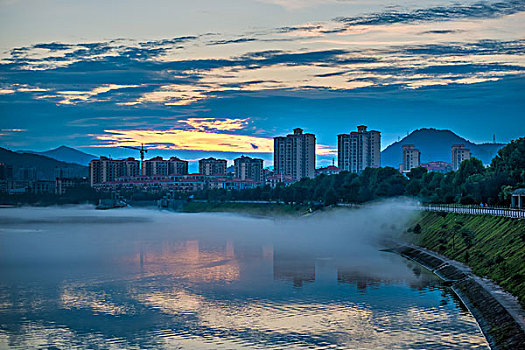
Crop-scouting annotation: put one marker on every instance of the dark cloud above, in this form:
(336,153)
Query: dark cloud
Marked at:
(438,13)
(308,28)
(233,41)
(445,31)
(53,46)
(482,47)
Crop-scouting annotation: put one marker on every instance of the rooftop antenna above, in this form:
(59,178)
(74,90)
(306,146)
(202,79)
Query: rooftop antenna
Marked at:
(333,161)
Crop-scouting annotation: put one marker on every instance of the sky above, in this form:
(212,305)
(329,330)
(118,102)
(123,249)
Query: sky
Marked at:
(222,78)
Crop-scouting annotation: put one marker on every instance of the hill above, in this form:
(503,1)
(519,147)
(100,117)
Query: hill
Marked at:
(66,154)
(435,145)
(46,167)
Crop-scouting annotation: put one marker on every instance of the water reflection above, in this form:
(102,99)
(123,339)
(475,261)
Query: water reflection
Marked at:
(160,281)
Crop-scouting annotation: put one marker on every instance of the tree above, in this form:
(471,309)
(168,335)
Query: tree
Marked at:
(510,162)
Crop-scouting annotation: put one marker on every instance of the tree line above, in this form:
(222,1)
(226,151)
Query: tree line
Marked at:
(472,183)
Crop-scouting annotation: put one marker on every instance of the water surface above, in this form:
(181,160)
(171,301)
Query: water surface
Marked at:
(138,279)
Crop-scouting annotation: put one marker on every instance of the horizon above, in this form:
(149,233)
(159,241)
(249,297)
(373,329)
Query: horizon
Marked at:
(267,157)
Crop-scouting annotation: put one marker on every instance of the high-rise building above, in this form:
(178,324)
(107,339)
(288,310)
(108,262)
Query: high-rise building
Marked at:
(411,158)
(155,166)
(247,168)
(359,150)
(130,167)
(106,169)
(212,166)
(459,154)
(294,155)
(177,166)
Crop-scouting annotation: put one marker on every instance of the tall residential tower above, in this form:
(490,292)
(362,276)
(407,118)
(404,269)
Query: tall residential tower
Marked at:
(294,155)
(359,150)
(411,158)
(459,154)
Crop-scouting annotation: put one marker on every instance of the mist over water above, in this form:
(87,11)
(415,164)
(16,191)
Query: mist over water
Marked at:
(137,278)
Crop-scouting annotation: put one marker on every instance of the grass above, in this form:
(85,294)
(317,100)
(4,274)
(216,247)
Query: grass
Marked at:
(492,246)
(259,209)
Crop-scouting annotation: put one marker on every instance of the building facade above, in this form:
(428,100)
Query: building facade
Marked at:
(177,166)
(437,167)
(411,158)
(294,155)
(359,150)
(247,168)
(459,154)
(212,166)
(106,169)
(155,166)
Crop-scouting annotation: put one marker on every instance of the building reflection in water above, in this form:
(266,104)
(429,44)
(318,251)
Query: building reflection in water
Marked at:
(195,261)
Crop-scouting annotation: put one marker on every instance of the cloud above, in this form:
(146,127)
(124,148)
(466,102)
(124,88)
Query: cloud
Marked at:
(223,124)
(439,13)
(187,140)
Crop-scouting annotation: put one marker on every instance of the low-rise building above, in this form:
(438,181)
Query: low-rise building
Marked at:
(274,180)
(179,183)
(328,170)
(62,184)
(437,167)
(42,186)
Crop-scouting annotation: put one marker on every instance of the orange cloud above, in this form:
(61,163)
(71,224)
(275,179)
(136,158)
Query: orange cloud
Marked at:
(226,124)
(188,140)
(196,140)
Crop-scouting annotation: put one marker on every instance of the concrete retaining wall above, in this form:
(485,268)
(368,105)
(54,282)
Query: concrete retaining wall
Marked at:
(501,328)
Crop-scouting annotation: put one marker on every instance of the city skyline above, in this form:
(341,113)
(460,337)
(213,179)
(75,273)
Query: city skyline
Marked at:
(195,82)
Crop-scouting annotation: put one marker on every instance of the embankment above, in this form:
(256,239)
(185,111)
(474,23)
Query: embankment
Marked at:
(258,209)
(501,327)
(469,246)
(492,246)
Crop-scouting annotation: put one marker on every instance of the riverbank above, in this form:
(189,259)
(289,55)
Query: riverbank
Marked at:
(498,316)
(257,209)
(492,246)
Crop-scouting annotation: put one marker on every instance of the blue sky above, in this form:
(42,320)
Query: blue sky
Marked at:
(222,78)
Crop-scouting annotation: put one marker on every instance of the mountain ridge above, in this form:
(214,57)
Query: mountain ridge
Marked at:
(45,166)
(65,154)
(435,145)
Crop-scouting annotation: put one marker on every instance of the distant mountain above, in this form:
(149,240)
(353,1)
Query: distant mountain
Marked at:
(46,167)
(66,154)
(435,145)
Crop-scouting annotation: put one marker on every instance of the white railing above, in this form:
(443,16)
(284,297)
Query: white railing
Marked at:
(476,210)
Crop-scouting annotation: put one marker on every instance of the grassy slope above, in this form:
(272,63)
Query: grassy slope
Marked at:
(245,208)
(496,249)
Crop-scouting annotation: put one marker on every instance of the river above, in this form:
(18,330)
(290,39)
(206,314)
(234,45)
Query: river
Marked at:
(143,279)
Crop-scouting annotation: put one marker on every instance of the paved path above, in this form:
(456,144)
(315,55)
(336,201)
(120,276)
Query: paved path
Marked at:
(506,212)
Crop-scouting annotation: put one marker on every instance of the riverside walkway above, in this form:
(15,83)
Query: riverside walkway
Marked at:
(476,210)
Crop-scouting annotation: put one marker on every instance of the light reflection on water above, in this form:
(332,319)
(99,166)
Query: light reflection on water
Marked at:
(75,278)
